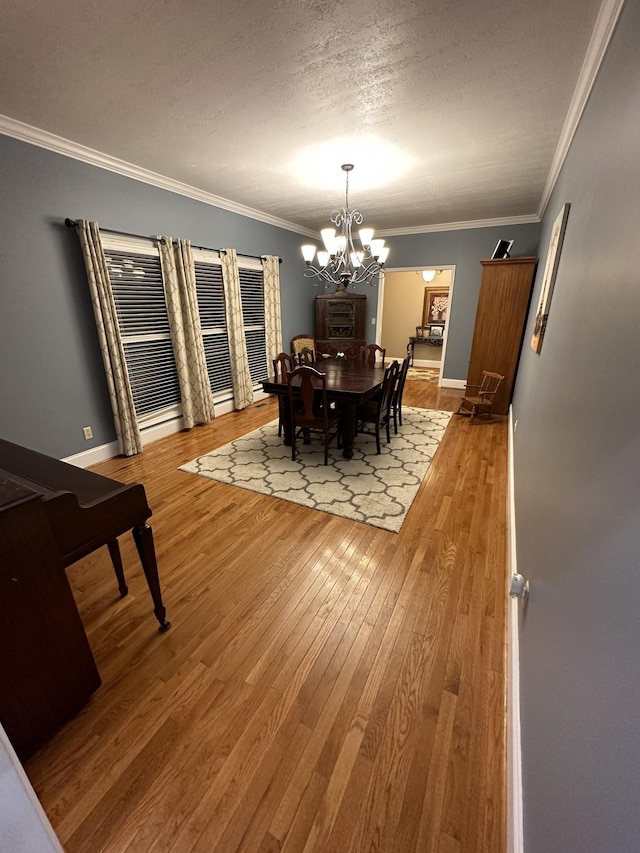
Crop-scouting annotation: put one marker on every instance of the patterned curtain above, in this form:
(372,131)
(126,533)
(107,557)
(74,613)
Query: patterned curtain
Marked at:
(115,365)
(272,319)
(179,277)
(240,376)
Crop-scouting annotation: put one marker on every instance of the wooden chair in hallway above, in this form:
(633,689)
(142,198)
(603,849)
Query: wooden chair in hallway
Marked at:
(282,365)
(369,353)
(481,403)
(309,408)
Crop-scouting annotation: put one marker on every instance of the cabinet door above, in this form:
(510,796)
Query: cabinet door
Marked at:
(502,310)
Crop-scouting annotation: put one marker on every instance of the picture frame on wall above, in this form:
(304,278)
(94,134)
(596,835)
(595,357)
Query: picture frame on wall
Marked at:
(435,308)
(549,278)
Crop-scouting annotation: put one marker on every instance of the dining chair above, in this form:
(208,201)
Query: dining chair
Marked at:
(309,408)
(481,403)
(305,356)
(298,342)
(369,353)
(396,398)
(282,365)
(377,411)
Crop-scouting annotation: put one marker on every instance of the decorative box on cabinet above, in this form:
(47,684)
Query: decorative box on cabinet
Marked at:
(503,304)
(340,322)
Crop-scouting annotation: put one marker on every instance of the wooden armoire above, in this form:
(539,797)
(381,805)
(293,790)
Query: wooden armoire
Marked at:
(340,322)
(503,304)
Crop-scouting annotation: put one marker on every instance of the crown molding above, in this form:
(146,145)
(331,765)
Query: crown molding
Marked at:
(459,226)
(43,139)
(602,32)
(60,145)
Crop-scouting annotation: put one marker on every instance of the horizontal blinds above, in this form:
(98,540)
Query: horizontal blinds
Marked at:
(136,282)
(252,292)
(211,304)
(213,320)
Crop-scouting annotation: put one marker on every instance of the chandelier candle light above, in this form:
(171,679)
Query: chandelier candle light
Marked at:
(341,263)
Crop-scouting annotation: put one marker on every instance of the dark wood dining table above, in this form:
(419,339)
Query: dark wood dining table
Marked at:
(348,383)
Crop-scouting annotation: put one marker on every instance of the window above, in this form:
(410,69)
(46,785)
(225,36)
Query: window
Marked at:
(213,321)
(211,304)
(136,281)
(252,291)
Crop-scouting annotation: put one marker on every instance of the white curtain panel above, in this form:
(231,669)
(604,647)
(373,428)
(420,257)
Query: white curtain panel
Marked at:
(179,277)
(115,365)
(272,317)
(240,376)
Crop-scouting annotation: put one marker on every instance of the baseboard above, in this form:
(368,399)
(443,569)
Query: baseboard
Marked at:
(515,829)
(424,362)
(453,383)
(107,451)
(94,455)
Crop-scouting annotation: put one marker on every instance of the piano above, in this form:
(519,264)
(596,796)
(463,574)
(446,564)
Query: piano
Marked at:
(51,515)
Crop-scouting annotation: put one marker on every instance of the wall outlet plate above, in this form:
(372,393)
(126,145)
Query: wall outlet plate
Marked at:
(87,432)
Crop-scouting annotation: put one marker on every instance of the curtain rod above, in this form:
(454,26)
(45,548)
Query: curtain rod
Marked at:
(71,223)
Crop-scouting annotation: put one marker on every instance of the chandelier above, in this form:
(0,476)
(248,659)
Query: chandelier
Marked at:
(340,263)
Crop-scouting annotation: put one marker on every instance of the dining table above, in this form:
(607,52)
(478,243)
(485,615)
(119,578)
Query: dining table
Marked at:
(348,384)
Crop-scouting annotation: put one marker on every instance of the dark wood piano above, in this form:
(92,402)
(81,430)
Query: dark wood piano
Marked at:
(52,514)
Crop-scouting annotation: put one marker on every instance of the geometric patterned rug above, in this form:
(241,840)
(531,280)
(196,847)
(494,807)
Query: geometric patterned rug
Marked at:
(371,488)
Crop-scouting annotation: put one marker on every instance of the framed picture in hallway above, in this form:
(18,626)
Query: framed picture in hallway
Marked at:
(435,308)
(549,278)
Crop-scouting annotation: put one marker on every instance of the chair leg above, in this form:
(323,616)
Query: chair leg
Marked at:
(378,439)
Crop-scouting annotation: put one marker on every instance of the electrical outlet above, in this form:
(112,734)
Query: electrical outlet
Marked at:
(87,432)
(373,321)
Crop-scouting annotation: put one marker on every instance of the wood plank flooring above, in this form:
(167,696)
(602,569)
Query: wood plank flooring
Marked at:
(326,685)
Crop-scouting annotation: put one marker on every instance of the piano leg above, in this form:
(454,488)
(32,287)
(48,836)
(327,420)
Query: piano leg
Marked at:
(143,538)
(114,550)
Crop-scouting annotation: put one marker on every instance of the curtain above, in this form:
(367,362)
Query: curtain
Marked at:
(115,365)
(272,319)
(240,376)
(179,277)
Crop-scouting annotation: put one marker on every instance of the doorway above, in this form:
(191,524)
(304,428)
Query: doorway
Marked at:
(403,298)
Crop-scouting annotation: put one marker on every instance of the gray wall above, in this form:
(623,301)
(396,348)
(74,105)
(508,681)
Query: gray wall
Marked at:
(577,490)
(52,381)
(465,249)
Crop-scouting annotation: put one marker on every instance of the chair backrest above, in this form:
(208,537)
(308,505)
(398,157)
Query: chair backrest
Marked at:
(307,391)
(388,384)
(306,356)
(298,342)
(282,364)
(402,378)
(368,354)
(490,384)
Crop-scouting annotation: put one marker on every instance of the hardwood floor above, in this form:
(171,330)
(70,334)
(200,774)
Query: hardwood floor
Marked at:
(325,685)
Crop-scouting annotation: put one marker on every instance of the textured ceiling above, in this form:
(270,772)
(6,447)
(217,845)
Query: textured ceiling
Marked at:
(450,111)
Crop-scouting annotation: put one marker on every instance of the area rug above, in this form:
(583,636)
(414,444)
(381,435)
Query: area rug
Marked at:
(431,374)
(371,488)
